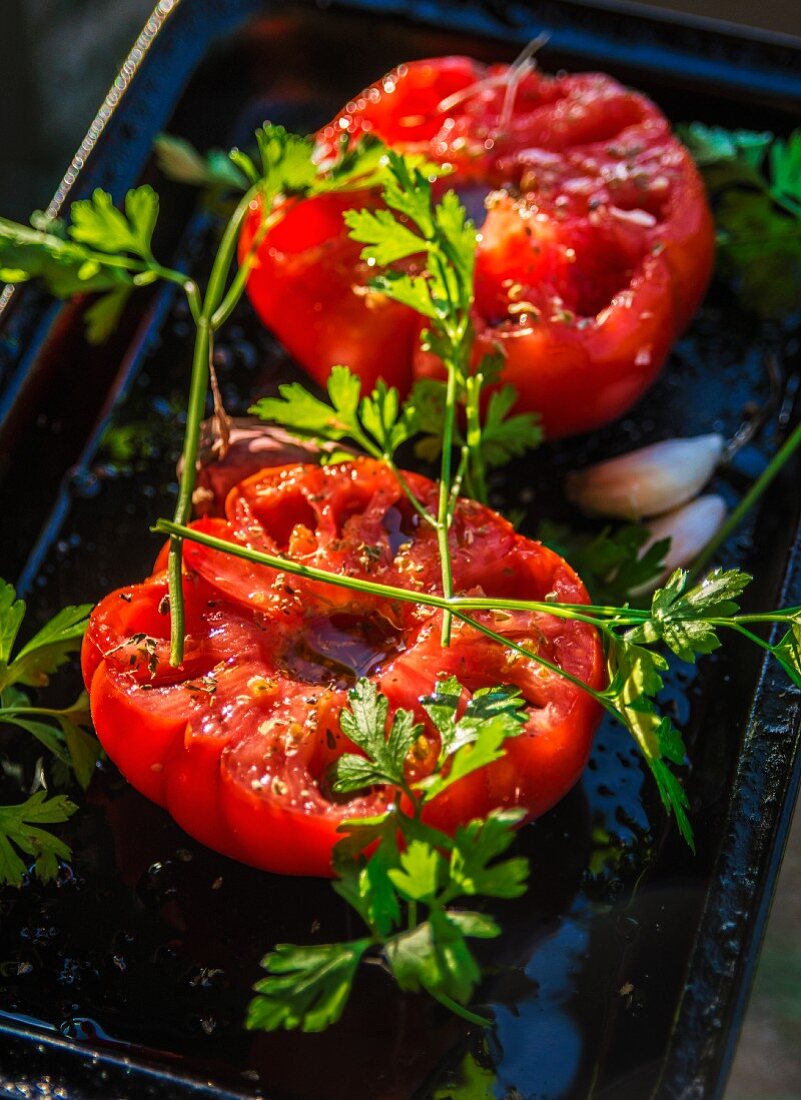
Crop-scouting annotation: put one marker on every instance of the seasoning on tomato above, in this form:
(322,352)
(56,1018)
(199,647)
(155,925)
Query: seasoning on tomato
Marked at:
(596,241)
(239,742)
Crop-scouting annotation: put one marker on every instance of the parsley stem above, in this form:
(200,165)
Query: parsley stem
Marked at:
(448,605)
(45,712)
(598,696)
(235,290)
(781,457)
(443,525)
(198,389)
(477,480)
(460,1010)
(183,506)
(215,291)
(755,638)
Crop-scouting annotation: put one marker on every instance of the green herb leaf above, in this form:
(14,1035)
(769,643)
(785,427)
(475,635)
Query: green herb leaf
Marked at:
(714,145)
(477,738)
(635,675)
(12,612)
(180,161)
(387,240)
(47,651)
(434,956)
(476,845)
(300,410)
(367,884)
(611,562)
(419,876)
(365,724)
(98,223)
(681,618)
(485,705)
(21,831)
(788,652)
(754,181)
(503,436)
(305,987)
(103,316)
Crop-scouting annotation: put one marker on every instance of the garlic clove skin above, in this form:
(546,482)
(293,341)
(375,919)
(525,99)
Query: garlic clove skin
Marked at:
(689,529)
(649,481)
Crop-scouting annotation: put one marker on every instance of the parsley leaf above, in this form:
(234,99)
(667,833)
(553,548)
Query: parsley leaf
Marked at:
(180,161)
(377,423)
(635,677)
(63,732)
(47,651)
(504,706)
(754,181)
(788,652)
(681,618)
(476,845)
(505,436)
(12,612)
(365,724)
(610,562)
(104,250)
(98,223)
(305,987)
(435,956)
(20,831)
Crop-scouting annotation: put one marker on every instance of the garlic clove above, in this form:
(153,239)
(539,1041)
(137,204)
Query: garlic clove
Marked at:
(649,481)
(689,529)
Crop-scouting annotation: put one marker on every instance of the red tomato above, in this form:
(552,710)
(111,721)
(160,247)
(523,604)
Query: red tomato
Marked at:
(596,245)
(238,743)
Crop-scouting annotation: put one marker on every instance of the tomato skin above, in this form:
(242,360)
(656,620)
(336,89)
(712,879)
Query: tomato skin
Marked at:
(597,220)
(239,741)
(302,286)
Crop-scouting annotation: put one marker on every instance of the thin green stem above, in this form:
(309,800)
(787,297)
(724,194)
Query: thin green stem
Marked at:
(460,1010)
(787,613)
(236,289)
(778,461)
(45,712)
(598,696)
(198,389)
(372,588)
(755,638)
(558,610)
(286,565)
(183,506)
(443,527)
(421,510)
(478,477)
(225,255)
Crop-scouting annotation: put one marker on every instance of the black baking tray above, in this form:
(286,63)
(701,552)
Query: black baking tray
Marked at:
(624,972)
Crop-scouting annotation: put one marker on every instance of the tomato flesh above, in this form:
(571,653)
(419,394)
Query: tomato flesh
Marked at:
(596,238)
(238,743)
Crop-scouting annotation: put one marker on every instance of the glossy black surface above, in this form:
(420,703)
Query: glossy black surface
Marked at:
(622,973)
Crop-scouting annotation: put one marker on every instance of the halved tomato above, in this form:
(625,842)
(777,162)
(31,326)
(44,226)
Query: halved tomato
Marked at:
(596,238)
(239,742)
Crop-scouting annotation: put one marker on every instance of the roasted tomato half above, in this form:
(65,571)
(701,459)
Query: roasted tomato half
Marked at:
(596,238)
(239,742)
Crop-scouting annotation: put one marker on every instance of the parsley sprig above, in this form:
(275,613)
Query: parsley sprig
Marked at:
(754,181)
(413,871)
(109,252)
(63,732)
(684,617)
(437,244)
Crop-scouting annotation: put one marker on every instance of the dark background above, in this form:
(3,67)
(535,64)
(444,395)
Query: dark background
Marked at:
(57,60)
